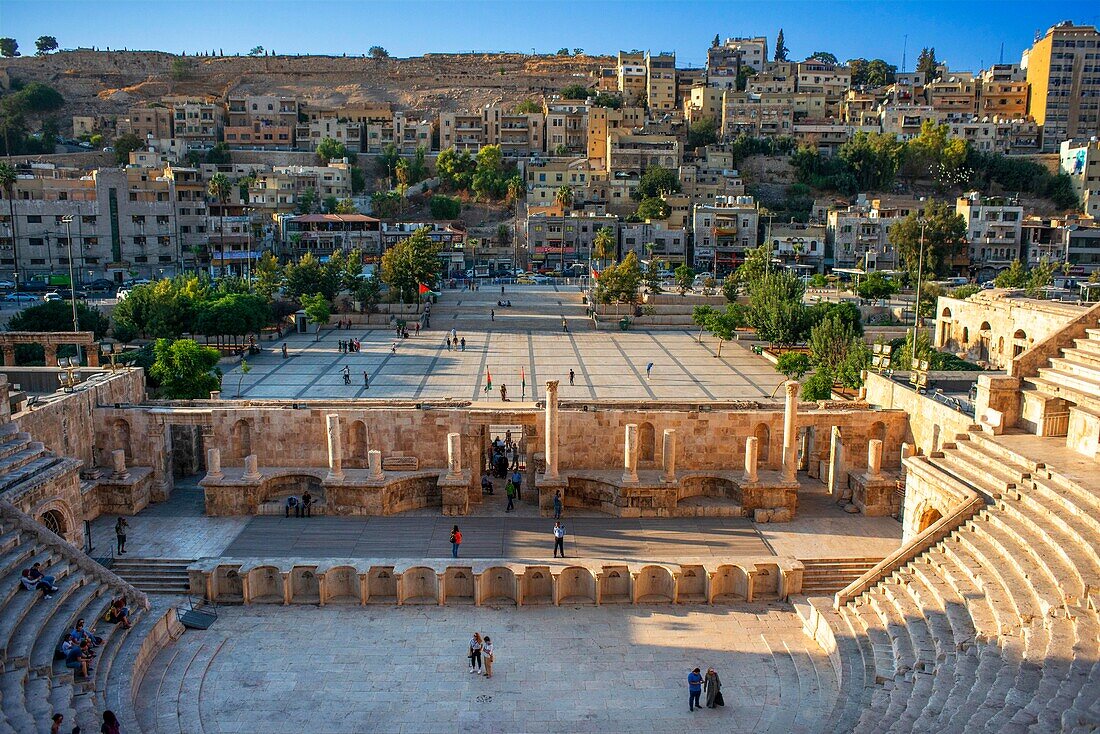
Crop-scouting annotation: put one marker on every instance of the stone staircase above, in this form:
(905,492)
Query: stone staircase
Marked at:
(994,628)
(22,459)
(825,576)
(1063,397)
(33,685)
(154,575)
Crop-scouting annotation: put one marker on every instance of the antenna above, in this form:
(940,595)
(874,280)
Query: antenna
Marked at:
(904,48)
(1001,60)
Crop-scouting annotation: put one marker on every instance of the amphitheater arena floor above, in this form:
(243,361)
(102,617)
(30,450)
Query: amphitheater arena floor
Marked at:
(404,670)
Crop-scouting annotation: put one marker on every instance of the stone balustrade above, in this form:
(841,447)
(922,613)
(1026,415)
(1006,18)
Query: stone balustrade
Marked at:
(495,582)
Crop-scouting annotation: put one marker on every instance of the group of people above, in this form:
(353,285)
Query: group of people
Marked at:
(78,646)
(110,724)
(698,684)
(455,343)
(348,346)
(343,324)
(505,304)
(481,655)
(504,455)
(302,507)
(34,578)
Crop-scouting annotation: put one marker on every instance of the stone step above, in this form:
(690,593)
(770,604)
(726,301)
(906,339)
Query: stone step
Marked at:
(1020,552)
(1084,350)
(119,693)
(28,470)
(13,702)
(978,453)
(14,443)
(24,618)
(19,459)
(1069,383)
(10,584)
(16,558)
(1079,368)
(40,652)
(957,465)
(1072,560)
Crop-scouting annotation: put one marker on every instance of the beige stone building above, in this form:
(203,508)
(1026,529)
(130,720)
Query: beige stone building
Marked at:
(567,125)
(1003,92)
(733,53)
(631,69)
(544,176)
(660,81)
(633,154)
(267,122)
(953,96)
(1062,93)
(722,232)
(605,121)
(518,134)
(993,232)
(461,131)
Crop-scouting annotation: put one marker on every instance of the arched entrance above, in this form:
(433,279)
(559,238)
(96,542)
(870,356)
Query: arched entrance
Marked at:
(242,439)
(928,518)
(944,327)
(1019,343)
(763,440)
(55,522)
(646,442)
(985,337)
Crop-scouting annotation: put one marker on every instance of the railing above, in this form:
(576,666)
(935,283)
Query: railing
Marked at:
(903,555)
(1056,424)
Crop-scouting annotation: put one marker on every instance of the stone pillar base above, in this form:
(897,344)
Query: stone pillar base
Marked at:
(874,496)
(456,493)
(546,487)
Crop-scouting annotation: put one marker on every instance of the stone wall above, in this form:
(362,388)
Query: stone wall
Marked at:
(930,423)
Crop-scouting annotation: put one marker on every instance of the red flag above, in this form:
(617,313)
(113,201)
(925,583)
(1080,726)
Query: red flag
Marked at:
(488,380)
(424,289)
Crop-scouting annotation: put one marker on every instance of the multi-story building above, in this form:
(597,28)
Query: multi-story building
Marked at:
(263,121)
(860,108)
(519,134)
(704,101)
(556,240)
(953,97)
(631,69)
(411,131)
(281,189)
(197,123)
(1072,239)
(1064,84)
(733,53)
(461,131)
(993,232)
(777,77)
(607,79)
(632,154)
(324,234)
(1081,162)
(654,240)
(997,135)
(757,115)
(567,125)
(1002,91)
(189,188)
(799,246)
(605,121)
(150,122)
(722,232)
(686,80)
(450,239)
(349,132)
(546,175)
(711,177)
(905,120)
(814,76)
(859,240)
(661,81)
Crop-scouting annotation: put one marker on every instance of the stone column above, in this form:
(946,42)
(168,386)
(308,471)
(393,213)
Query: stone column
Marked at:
(752,456)
(118,464)
(9,355)
(251,468)
(630,455)
(374,463)
(668,454)
(836,461)
(790,431)
(335,450)
(874,459)
(92,351)
(454,454)
(159,438)
(215,394)
(551,444)
(5,399)
(214,463)
(51,354)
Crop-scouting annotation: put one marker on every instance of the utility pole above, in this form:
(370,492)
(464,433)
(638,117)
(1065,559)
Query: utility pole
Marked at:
(68,221)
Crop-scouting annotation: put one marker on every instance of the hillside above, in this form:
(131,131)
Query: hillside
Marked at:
(107,82)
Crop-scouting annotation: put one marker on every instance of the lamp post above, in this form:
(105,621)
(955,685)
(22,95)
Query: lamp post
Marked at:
(916,306)
(68,222)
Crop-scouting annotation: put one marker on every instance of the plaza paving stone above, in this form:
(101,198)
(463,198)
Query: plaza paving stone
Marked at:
(404,669)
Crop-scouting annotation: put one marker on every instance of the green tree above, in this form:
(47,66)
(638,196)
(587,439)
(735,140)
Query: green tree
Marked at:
(927,63)
(330,149)
(488,180)
(684,277)
(179,70)
(185,369)
(793,365)
(607,99)
(386,204)
(819,386)
(701,315)
(45,44)
(620,283)
(55,316)
(317,309)
(257,51)
(528,107)
(8,178)
(703,131)
(829,342)
(744,72)
(780,47)
(455,169)
(876,286)
(377,52)
(410,263)
(444,207)
(1014,276)
(329,204)
(656,181)
(243,370)
(824,56)
(369,292)
(308,276)
(879,73)
(389,158)
(652,277)
(856,361)
(9,48)
(724,324)
(603,245)
(564,198)
(653,208)
(220,188)
(268,276)
(346,206)
(126,144)
(775,308)
(847,312)
(754,267)
(575,91)
(944,238)
(306,201)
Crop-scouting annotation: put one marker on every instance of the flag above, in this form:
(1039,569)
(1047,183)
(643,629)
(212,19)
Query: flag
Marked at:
(488,380)
(523,382)
(423,289)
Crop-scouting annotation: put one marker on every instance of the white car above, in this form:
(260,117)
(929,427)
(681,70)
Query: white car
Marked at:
(122,293)
(52,296)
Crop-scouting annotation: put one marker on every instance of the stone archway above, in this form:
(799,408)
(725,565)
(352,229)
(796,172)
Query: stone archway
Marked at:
(357,446)
(1019,342)
(763,443)
(241,439)
(647,441)
(928,518)
(120,437)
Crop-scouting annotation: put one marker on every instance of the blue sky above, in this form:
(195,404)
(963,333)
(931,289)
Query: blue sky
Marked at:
(965,34)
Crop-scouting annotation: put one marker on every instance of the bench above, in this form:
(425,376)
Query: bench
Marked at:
(400,463)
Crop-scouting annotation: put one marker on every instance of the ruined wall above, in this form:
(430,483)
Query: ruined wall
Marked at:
(930,423)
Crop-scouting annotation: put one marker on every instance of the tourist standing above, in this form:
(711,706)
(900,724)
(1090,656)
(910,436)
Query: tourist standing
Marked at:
(559,539)
(648,369)
(487,654)
(517,480)
(416,328)
(510,490)
(366,380)
(284,350)
(448,340)
(557,504)
(713,686)
(492,315)
(695,688)
(475,653)
(456,541)
(572,375)
(347,375)
(462,342)
(564,324)
(120,533)
(55,727)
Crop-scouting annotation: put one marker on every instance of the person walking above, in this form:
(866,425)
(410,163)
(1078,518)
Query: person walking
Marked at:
(347,375)
(503,393)
(517,481)
(416,328)
(557,504)
(475,653)
(695,688)
(572,375)
(510,490)
(456,541)
(462,341)
(492,314)
(648,369)
(393,349)
(366,380)
(120,533)
(559,539)
(564,324)
(487,656)
(448,343)
(284,350)
(713,687)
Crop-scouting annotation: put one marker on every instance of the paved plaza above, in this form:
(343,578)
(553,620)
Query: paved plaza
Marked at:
(513,345)
(404,670)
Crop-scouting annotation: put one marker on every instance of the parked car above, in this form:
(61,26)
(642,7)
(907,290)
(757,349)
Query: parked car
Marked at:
(100,284)
(67,293)
(6,284)
(52,296)
(121,293)
(109,149)
(988,285)
(525,280)
(21,298)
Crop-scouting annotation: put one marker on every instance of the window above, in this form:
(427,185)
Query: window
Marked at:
(34,219)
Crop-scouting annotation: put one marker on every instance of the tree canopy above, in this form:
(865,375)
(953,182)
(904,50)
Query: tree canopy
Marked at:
(410,263)
(945,235)
(775,308)
(655,182)
(185,369)
(45,44)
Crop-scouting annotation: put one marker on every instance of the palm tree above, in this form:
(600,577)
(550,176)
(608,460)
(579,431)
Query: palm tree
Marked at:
(564,197)
(219,188)
(8,177)
(516,191)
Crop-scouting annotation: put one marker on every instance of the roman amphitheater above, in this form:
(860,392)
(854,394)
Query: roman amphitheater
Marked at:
(885,563)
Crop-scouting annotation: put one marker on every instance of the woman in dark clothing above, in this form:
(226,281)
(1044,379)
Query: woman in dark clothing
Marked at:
(713,687)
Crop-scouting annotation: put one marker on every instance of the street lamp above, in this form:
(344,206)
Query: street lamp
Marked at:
(68,221)
(69,376)
(920,275)
(111,350)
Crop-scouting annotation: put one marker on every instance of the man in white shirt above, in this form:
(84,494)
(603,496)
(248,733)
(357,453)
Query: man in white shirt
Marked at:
(559,539)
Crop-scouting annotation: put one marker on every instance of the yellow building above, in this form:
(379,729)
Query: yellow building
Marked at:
(661,81)
(1065,99)
(604,120)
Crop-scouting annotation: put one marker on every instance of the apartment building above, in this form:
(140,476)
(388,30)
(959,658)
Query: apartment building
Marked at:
(661,81)
(566,125)
(722,232)
(993,232)
(998,135)
(607,79)
(197,123)
(704,101)
(189,194)
(654,240)
(280,189)
(324,234)
(556,240)
(349,132)
(757,115)
(123,222)
(1002,91)
(1081,162)
(461,131)
(1063,75)
(544,176)
(860,108)
(733,53)
(1074,239)
(632,154)
(800,246)
(814,76)
(954,96)
(411,130)
(711,178)
(859,240)
(686,80)
(905,120)
(779,77)
(149,122)
(262,121)
(631,69)
(604,121)
(519,134)
(450,239)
